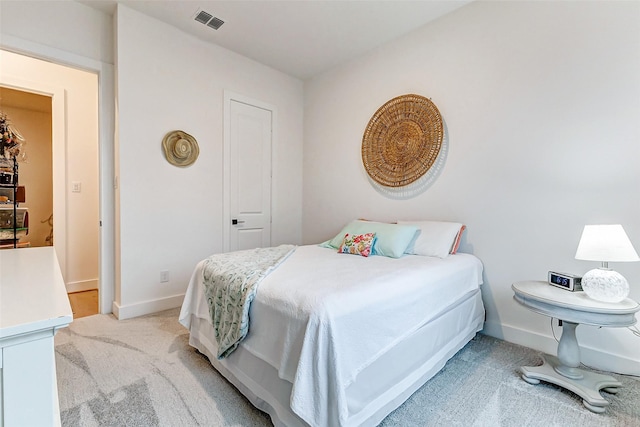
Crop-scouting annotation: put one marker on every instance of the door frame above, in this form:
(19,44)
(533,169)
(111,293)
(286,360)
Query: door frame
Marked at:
(226,156)
(107,275)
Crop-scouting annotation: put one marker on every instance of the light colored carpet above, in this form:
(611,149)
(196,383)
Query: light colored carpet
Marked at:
(142,372)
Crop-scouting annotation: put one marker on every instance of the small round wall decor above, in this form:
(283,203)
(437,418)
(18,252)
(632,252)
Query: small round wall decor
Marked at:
(402,141)
(180,148)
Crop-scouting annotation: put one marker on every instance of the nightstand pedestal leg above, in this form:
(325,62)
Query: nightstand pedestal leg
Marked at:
(564,371)
(588,387)
(569,352)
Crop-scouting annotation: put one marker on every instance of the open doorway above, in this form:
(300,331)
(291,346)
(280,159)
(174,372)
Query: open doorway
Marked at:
(71,160)
(31,112)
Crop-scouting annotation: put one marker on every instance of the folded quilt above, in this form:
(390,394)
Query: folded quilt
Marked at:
(231,281)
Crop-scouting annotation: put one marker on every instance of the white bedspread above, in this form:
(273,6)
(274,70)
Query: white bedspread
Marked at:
(321,317)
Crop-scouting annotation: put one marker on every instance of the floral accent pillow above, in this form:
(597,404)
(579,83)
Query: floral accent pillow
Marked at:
(357,244)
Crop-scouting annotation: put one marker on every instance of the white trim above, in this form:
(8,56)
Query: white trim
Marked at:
(146,307)
(591,357)
(82,285)
(106,166)
(48,53)
(226,157)
(106,120)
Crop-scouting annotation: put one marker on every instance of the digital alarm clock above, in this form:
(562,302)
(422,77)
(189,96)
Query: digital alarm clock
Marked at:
(569,282)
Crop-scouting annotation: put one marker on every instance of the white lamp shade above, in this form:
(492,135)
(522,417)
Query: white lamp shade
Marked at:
(605,243)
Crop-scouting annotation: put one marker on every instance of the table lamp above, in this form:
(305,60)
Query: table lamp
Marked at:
(605,243)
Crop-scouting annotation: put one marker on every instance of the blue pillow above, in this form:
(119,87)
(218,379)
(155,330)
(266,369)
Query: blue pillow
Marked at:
(391,239)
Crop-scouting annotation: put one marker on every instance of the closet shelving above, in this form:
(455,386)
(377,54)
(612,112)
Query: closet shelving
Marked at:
(14,221)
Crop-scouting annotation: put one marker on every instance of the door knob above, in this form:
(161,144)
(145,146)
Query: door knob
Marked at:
(236,222)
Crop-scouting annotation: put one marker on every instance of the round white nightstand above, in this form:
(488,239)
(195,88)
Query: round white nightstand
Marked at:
(573,308)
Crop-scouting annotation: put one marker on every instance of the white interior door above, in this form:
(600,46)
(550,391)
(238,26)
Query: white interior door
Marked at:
(248,216)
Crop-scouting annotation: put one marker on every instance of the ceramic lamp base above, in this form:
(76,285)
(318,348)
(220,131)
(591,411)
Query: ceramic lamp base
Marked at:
(605,285)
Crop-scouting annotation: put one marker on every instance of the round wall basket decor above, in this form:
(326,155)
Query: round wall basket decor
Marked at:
(402,140)
(180,148)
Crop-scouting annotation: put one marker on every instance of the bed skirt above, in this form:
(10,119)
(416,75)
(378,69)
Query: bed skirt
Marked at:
(378,390)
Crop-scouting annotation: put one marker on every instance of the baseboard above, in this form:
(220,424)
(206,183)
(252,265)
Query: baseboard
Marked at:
(146,307)
(82,285)
(592,357)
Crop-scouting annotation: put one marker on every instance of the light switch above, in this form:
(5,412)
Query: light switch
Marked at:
(76,186)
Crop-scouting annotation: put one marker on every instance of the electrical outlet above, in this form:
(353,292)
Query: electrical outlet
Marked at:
(164,276)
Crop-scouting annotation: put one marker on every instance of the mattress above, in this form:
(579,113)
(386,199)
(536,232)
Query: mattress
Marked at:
(343,340)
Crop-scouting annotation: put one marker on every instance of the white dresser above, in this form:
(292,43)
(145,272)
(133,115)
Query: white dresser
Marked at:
(33,306)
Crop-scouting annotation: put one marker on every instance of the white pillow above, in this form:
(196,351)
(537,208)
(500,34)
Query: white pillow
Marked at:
(435,238)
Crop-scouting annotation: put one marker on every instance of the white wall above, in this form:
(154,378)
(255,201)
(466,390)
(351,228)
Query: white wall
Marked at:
(70,33)
(60,24)
(170,217)
(541,101)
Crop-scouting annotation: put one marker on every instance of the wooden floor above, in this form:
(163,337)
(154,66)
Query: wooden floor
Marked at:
(84,303)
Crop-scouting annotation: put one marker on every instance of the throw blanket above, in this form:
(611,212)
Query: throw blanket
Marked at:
(231,281)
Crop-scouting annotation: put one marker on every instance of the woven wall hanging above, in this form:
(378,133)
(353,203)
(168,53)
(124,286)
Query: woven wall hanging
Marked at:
(180,148)
(402,141)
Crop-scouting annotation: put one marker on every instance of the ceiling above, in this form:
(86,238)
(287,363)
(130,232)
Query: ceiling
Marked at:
(25,100)
(301,38)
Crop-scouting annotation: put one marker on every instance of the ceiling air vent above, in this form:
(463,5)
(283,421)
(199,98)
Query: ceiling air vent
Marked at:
(215,23)
(203,17)
(208,19)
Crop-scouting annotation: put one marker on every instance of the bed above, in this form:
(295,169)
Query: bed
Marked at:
(342,340)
